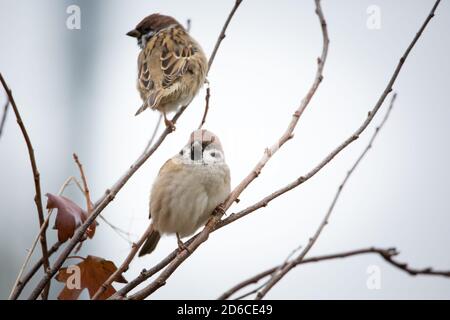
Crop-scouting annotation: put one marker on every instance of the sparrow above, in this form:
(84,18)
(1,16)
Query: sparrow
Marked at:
(188,188)
(171,64)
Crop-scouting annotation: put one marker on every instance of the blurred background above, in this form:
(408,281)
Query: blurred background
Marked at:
(76,91)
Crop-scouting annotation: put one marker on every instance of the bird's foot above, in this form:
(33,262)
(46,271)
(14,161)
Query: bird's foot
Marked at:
(169,124)
(220,210)
(182,246)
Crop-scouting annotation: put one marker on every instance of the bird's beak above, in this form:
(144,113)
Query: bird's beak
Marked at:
(134,33)
(196,151)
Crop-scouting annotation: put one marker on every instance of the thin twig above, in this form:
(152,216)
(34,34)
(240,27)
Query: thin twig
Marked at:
(15,291)
(28,257)
(279,274)
(86,193)
(76,257)
(67,182)
(146,274)
(286,261)
(3,121)
(220,211)
(120,232)
(125,235)
(253,291)
(222,34)
(155,131)
(114,190)
(125,264)
(205,113)
(27,277)
(188,25)
(37,184)
(85,184)
(252,280)
(387,254)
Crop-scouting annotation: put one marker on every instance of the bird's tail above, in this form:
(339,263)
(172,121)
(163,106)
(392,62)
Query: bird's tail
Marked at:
(152,101)
(150,243)
(142,108)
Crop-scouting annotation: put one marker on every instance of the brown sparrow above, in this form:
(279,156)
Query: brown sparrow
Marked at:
(188,188)
(171,65)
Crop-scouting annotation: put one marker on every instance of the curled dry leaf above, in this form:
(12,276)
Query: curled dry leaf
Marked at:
(89,274)
(68,218)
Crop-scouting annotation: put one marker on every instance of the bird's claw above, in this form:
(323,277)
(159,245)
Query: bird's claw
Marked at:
(170,125)
(182,246)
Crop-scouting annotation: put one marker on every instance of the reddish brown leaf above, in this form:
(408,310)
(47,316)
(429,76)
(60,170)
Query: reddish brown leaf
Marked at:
(93,272)
(68,218)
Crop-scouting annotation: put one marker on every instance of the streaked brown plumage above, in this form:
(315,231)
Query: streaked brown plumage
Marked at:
(171,65)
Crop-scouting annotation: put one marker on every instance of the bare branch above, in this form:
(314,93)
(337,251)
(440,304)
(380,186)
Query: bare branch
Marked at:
(205,113)
(120,232)
(279,274)
(5,113)
(286,261)
(125,264)
(37,184)
(27,277)
(155,131)
(15,291)
(188,25)
(146,274)
(222,34)
(125,235)
(387,254)
(85,189)
(86,193)
(104,201)
(28,257)
(213,55)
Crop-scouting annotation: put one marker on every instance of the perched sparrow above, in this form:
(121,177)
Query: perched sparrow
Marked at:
(171,65)
(188,188)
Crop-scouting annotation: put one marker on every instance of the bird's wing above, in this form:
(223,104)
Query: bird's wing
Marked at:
(177,50)
(163,61)
(169,168)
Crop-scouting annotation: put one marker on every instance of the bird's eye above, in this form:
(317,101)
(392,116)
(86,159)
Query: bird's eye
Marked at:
(213,154)
(181,152)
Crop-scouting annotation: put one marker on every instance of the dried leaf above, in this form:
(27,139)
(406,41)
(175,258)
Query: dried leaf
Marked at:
(92,272)
(68,218)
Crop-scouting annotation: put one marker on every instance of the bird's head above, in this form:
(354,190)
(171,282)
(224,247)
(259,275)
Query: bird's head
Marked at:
(150,26)
(203,147)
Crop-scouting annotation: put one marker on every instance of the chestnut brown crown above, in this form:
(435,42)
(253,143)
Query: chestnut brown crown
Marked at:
(152,24)
(205,137)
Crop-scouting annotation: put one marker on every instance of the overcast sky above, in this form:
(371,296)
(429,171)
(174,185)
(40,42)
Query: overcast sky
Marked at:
(76,92)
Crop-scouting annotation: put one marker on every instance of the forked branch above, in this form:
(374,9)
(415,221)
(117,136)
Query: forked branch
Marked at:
(279,274)
(387,254)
